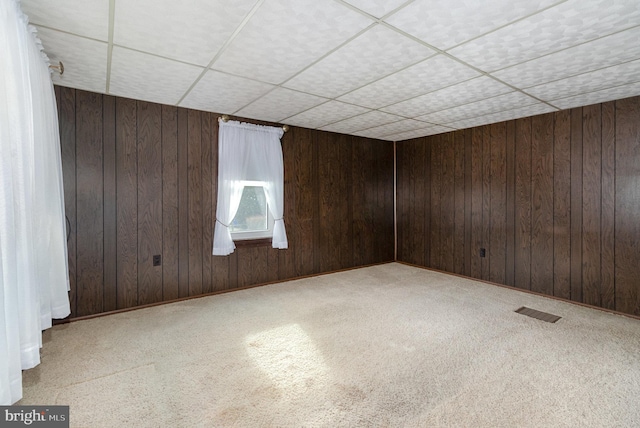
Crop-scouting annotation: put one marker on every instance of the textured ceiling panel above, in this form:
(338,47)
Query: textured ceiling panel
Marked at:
(285,36)
(393,128)
(223,93)
(88,18)
(377,8)
(350,66)
(280,104)
(589,82)
(516,113)
(447,23)
(433,130)
(479,108)
(560,27)
(167,28)
(378,52)
(85,60)
(427,76)
(364,121)
(611,50)
(165,85)
(462,93)
(324,114)
(604,95)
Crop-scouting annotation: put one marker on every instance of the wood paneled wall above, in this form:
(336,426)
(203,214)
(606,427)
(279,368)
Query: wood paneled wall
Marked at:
(141,179)
(554,199)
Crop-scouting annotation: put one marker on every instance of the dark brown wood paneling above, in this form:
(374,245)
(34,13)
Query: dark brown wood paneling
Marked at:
(510,233)
(476,202)
(207,196)
(419,205)
(67,116)
(435,170)
(194,179)
(607,211)
(149,201)
(345,144)
(447,205)
(498,217)
(542,204)
(551,197)
(576,204)
(468,193)
(486,201)
(330,198)
(90,203)
(109,195)
(127,203)
(591,200)
(562,205)
(627,208)
(183,202)
(459,211)
(522,259)
(169,203)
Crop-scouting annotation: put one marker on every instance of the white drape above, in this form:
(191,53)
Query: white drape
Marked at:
(248,152)
(33,254)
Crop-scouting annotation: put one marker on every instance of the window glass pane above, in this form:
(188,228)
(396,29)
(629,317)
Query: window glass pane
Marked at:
(252,214)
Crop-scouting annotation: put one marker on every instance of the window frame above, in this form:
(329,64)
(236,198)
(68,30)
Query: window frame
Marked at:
(254,237)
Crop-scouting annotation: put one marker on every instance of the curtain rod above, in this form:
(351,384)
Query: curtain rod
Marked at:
(225,119)
(59,67)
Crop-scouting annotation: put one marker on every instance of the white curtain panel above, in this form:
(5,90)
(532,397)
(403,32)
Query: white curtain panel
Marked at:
(33,254)
(248,152)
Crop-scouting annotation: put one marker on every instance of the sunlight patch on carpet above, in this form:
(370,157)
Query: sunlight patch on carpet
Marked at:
(288,356)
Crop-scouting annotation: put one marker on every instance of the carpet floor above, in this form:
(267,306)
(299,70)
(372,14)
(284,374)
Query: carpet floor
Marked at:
(387,345)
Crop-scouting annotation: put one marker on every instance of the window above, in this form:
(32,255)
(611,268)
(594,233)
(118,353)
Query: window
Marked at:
(253,219)
(250,186)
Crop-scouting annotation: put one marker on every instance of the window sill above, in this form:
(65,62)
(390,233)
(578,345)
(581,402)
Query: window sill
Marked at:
(249,243)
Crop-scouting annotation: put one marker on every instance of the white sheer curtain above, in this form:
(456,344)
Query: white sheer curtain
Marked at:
(253,153)
(33,254)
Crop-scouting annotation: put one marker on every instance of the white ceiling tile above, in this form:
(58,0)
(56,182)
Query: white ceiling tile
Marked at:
(85,60)
(432,130)
(223,93)
(372,55)
(280,104)
(324,114)
(602,96)
(462,93)
(363,121)
(285,36)
(559,27)
(588,82)
(89,18)
(150,78)
(502,116)
(377,8)
(611,50)
(479,108)
(446,23)
(429,75)
(393,128)
(191,31)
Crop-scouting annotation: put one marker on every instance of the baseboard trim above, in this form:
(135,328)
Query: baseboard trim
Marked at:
(214,293)
(586,305)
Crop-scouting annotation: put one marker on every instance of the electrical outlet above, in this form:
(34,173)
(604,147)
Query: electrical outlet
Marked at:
(157,260)
(483,252)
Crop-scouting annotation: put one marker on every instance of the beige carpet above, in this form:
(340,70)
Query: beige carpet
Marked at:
(388,345)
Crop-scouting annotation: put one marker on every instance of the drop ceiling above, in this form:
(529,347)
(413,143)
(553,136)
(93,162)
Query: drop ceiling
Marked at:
(387,69)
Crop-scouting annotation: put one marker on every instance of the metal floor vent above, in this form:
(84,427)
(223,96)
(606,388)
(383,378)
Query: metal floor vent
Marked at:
(543,316)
